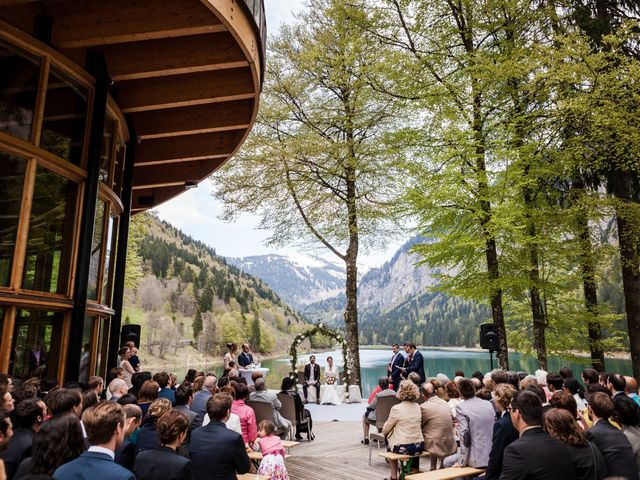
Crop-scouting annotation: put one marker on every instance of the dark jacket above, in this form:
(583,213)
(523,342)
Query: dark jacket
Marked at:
(93,466)
(588,462)
(396,373)
(162,463)
(216,446)
(504,434)
(18,449)
(168,394)
(245,359)
(126,454)
(316,372)
(415,365)
(615,448)
(199,405)
(148,436)
(193,419)
(536,455)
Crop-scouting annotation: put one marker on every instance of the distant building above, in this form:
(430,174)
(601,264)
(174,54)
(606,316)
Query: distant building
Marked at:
(107,109)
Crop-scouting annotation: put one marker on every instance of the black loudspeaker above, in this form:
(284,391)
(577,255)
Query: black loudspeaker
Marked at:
(130,333)
(489,339)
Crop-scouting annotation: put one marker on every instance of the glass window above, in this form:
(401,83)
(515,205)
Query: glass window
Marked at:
(85,357)
(18,91)
(96,250)
(108,260)
(36,344)
(51,231)
(108,137)
(65,117)
(119,170)
(2,332)
(11,184)
(103,346)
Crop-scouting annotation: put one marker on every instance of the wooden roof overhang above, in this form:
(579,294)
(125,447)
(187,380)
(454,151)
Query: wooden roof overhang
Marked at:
(186,73)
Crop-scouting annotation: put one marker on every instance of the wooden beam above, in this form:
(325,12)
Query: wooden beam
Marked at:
(174,175)
(210,118)
(187,147)
(174,56)
(144,199)
(184,90)
(96,22)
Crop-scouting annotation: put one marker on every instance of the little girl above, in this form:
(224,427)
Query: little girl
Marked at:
(272,463)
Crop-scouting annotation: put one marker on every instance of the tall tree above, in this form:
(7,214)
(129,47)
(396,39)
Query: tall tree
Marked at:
(320,163)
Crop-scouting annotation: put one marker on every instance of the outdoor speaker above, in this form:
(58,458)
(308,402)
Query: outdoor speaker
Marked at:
(489,339)
(130,333)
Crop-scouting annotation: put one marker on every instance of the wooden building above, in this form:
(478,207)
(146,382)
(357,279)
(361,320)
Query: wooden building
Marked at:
(107,108)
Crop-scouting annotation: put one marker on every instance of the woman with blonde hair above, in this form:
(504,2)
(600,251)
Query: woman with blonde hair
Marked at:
(403,430)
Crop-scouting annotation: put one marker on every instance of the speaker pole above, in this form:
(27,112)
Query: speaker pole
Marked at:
(491,358)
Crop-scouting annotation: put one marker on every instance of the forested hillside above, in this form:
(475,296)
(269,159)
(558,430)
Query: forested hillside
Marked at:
(189,296)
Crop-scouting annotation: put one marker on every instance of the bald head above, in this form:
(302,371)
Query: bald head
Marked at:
(631,385)
(210,383)
(428,390)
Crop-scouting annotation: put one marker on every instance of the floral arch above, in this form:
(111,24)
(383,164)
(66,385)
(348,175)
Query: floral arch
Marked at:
(321,329)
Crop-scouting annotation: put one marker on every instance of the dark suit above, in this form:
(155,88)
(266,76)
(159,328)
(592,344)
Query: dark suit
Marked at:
(245,359)
(588,462)
(168,394)
(93,466)
(396,373)
(126,454)
(18,449)
(416,364)
(504,434)
(537,455)
(615,448)
(316,377)
(199,405)
(162,463)
(148,435)
(193,424)
(217,453)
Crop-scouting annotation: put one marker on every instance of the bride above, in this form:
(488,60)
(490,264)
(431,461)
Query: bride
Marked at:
(330,391)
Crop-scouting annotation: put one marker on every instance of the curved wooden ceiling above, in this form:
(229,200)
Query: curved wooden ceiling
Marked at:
(187,74)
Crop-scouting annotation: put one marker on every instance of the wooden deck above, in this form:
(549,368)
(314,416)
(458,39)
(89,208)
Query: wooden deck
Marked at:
(335,454)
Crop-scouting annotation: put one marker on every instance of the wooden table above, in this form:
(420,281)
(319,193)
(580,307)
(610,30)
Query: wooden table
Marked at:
(252,476)
(256,458)
(447,474)
(287,444)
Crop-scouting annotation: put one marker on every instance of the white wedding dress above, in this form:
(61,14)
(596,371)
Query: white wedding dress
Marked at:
(329,393)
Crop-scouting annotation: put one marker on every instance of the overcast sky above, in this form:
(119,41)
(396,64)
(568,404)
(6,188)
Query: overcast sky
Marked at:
(195,212)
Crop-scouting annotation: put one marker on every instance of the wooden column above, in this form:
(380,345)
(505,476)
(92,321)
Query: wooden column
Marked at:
(96,66)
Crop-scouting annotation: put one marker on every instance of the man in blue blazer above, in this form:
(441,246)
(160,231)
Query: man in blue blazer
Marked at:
(216,452)
(414,361)
(245,358)
(396,366)
(105,427)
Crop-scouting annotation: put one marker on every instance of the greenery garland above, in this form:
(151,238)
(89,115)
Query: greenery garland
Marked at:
(320,328)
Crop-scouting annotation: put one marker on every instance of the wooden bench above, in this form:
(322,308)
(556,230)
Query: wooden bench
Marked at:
(287,444)
(252,476)
(447,474)
(404,461)
(256,458)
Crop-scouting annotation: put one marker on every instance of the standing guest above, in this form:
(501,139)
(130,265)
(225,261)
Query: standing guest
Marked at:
(311,378)
(587,458)
(105,428)
(572,386)
(626,413)
(414,361)
(437,425)
(272,464)
(125,354)
(216,445)
(395,370)
(147,395)
(288,387)
(163,462)
(126,452)
(614,445)
(133,360)
(29,415)
(565,372)
(163,379)
(261,394)
(504,433)
(402,429)
(631,389)
(117,388)
(616,384)
(230,357)
(148,436)
(184,397)
(246,414)
(200,398)
(535,455)
(59,440)
(589,376)
(474,419)
(245,358)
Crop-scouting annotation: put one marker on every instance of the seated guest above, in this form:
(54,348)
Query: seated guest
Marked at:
(587,458)
(59,440)
(184,397)
(535,455)
(572,386)
(148,436)
(616,384)
(137,380)
(214,444)
(104,424)
(201,397)
(311,378)
(261,394)
(626,413)
(233,422)
(163,462)
(29,415)
(614,445)
(189,377)
(126,452)
(89,399)
(402,429)
(369,417)
(246,414)
(117,388)
(504,433)
(162,379)
(555,382)
(64,400)
(148,394)
(288,387)
(566,401)
(96,384)
(589,376)
(631,389)
(437,425)
(565,372)
(474,419)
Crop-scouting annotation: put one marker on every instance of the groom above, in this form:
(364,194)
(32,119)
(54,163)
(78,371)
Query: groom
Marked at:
(311,377)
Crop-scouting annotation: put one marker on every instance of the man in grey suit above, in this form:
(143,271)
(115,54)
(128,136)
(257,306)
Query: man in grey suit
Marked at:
(263,395)
(475,428)
(184,397)
(199,403)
